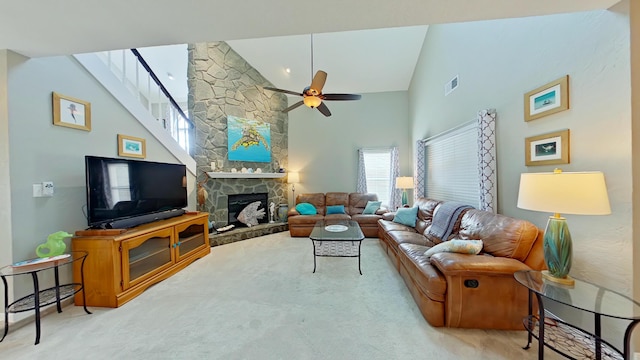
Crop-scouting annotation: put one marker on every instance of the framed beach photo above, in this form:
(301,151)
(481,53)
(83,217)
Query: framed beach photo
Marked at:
(71,112)
(130,146)
(547,149)
(547,99)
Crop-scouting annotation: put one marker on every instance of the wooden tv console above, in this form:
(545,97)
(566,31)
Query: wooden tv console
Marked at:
(121,264)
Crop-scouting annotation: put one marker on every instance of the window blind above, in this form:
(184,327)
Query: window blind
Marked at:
(377,165)
(452,166)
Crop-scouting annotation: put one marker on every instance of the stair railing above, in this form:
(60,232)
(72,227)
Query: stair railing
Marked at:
(136,74)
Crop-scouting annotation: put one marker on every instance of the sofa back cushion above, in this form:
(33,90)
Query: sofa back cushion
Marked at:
(337,198)
(315,199)
(501,235)
(358,201)
(426,208)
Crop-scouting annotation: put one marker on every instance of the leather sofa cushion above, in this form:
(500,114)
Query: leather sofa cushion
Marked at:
(425,276)
(406,237)
(388,225)
(335,217)
(501,235)
(337,198)
(315,199)
(426,208)
(366,219)
(308,220)
(358,201)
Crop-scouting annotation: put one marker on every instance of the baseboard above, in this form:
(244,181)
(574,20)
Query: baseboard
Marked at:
(32,316)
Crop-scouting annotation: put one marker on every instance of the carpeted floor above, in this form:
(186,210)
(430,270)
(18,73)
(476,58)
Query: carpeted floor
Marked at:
(258,299)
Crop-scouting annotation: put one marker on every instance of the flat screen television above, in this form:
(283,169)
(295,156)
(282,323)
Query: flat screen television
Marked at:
(123,193)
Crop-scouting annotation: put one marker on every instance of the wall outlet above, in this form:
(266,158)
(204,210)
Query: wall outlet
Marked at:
(47,188)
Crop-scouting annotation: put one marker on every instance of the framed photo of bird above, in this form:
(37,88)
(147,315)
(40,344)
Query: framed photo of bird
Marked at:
(547,149)
(71,112)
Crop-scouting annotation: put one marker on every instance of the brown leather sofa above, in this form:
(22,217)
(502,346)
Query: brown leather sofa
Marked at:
(354,204)
(461,290)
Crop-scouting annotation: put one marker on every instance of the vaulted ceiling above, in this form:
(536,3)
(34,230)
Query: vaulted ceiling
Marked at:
(271,35)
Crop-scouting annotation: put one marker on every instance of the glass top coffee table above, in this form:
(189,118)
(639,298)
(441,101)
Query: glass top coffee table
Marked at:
(336,238)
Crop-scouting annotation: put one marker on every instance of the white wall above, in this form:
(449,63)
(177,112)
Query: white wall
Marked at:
(40,151)
(498,62)
(324,149)
(5,185)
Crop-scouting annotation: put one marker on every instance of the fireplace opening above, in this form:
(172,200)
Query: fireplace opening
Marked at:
(237,203)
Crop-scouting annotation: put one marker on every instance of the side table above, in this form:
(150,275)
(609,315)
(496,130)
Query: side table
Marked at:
(41,298)
(568,339)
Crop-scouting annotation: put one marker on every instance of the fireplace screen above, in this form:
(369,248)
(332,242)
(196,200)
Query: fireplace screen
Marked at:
(237,203)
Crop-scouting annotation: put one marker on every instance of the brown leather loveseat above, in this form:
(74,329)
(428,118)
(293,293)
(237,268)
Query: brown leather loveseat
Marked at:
(354,204)
(462,290)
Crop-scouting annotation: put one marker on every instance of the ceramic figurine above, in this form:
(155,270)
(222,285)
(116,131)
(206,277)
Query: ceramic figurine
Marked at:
(250,214)
(54,246)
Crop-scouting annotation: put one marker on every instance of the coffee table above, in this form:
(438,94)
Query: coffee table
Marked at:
(336,238)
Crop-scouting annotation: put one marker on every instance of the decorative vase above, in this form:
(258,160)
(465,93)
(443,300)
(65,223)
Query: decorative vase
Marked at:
(54,246)
(283,209)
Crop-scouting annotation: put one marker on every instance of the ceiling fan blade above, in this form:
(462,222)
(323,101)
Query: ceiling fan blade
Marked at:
(293,106)
(282,91)
(324,109)
(342,96)
(318,83)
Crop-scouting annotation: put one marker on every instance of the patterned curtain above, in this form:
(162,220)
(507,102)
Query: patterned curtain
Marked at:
(487,160)
(419,171)
(361,186)
(396,194)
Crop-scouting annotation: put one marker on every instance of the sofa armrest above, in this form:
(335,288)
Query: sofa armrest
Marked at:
(388,216)
(451,264)
(293,212)
(382,211)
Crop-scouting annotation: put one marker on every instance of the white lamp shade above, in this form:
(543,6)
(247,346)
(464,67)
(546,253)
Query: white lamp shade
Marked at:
(579,193)
(312,101)
(293,178)
(404,182)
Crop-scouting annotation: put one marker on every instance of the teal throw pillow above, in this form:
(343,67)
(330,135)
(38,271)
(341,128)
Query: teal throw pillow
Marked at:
(306,209)
(406,216)
(372,207)
(335,209)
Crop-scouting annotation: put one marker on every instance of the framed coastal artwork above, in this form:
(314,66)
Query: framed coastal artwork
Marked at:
(248,140)
(71,112)
(130,146)
(547,99)
(547,149)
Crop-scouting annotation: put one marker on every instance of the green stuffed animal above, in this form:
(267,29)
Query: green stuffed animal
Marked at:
(54,246)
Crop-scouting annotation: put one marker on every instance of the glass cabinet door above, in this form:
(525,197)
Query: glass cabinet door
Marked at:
(145,256)
(190,237)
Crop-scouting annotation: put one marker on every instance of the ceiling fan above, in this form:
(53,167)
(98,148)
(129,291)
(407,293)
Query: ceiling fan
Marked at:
(312,94)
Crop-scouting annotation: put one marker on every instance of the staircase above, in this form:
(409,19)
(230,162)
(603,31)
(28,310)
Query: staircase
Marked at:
(131,81)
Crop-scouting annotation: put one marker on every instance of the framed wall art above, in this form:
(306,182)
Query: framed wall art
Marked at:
(248,140)
(547,149)
(547,99)
(130,146)
(71,112)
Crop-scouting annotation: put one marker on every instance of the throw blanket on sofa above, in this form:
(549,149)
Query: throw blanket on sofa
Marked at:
(445,218)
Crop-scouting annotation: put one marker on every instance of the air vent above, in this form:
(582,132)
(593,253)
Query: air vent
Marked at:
(451,85)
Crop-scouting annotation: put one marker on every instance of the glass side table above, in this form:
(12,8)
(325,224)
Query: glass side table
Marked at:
(570,340)
(41,298)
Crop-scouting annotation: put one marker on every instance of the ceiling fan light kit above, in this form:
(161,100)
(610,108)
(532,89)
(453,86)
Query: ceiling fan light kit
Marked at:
(312,95)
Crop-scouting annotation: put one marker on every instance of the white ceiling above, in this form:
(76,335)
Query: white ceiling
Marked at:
(261,32)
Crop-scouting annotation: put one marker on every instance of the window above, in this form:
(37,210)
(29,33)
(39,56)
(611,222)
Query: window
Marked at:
(377,165)
(452,166)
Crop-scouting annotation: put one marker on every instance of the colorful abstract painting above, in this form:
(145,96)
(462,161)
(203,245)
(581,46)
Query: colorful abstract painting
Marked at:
(248,140)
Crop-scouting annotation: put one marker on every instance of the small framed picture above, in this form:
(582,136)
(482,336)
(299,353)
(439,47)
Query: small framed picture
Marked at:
(130,146)
(547,149)
(71,112)
(547,99)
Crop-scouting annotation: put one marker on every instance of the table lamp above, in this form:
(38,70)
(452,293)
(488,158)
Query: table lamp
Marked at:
(293,178)
(404,183)
(578,193)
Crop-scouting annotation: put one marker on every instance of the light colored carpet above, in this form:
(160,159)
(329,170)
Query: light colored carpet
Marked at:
(258,299)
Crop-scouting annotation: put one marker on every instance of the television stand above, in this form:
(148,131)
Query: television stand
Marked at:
(122,265)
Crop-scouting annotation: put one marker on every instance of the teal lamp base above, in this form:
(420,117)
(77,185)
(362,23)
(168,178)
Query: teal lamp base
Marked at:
(405,198)
(558,249)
